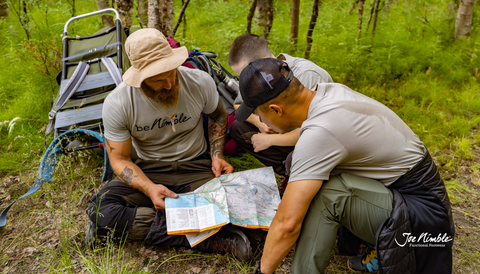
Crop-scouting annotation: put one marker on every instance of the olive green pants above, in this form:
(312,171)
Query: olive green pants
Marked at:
(359,204)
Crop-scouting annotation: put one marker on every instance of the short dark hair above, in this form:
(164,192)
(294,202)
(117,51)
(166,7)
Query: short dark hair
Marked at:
(249,46)
(290,94)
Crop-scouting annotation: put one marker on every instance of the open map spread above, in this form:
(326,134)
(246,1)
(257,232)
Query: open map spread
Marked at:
(247,198)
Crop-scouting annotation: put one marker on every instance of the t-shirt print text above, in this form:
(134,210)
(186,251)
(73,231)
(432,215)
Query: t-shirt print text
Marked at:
(163,122)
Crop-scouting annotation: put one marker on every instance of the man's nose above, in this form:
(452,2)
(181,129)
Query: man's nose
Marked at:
(167,84)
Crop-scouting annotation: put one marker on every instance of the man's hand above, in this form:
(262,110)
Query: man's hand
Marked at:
(264,128)
(157,193)
(220,167)
(261,141)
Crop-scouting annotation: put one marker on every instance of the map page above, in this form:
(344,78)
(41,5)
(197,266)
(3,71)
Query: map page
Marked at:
(248,198)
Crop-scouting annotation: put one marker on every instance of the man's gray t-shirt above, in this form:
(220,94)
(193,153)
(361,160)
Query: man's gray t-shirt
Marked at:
(128,113)
(347,132)
(304,70)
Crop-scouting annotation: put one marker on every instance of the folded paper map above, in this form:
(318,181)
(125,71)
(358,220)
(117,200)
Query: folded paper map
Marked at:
(248,198)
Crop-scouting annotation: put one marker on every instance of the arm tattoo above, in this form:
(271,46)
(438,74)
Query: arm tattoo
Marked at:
(109,146)
(127,175)
(217,130)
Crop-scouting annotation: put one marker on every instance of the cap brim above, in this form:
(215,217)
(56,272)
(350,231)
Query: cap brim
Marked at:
(243,112)
(134,77)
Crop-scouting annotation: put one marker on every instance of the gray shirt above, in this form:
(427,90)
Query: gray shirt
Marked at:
(128,113)
(347,132)
(304,70)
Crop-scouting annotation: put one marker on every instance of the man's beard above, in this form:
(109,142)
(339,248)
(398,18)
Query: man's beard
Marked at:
(165,97)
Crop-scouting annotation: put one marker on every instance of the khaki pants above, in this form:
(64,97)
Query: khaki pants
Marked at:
(359,204)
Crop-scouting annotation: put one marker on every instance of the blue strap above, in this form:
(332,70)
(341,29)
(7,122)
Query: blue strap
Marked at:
(50,159)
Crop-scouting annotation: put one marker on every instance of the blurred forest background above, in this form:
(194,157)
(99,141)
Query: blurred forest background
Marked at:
(420,58)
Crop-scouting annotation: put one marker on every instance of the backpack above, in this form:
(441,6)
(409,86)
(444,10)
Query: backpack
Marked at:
(227,86)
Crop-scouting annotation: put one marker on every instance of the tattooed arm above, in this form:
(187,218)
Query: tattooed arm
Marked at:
(217,133)
(131,174)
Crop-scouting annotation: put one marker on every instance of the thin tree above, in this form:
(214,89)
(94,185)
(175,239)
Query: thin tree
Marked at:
(142,12)
(387,6)
(353,6)
(311,26)
(250,16)
(184,21)
(295,15)
(265,16)
(377,8)
(361,4)
(125,8)
(22,15)
(167,18)
(154,15)
(181,17)
(371,13)
(72,3)
(463,24)
(3,8)
(107,20)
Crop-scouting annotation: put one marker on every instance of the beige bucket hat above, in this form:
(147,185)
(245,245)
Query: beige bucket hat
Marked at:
(150,55)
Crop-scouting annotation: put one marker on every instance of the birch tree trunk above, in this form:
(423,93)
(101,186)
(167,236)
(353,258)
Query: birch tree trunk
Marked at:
(295,14)
(3,8)
(125,8)
(167,18)
(463,24)
(107,20)
(311,26)
(154,20)
(142,12)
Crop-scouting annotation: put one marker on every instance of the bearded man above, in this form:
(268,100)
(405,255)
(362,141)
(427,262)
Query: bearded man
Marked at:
(158,111)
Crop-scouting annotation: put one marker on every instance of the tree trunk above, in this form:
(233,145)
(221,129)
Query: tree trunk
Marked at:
(25,19)
(154,20)
(107,20)
(3,8)
(360,17)
(125,8)
(142,12)
(376,16)
(181,17)
(295,15)
(184,20)
(387,6)
(168,18)
(250,16)
(265,16)
(353,6)
(371,13)
(463,24)
(311,26)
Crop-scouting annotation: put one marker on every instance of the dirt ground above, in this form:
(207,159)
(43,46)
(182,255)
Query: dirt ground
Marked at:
(45,231)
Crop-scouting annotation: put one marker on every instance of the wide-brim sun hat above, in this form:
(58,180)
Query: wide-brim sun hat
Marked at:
(150,54)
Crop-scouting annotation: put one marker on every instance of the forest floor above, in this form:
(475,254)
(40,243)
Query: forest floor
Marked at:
(45,232)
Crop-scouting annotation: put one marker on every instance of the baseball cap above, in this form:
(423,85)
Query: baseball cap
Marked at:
(261,81)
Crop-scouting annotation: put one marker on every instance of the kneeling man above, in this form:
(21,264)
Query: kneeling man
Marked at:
(357,164)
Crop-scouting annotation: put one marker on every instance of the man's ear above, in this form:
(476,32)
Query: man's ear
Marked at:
(278,110)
